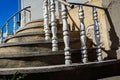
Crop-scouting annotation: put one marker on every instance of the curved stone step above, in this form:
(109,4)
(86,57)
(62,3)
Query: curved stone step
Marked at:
(35,28)
(37,22)
(32,61)
(56,72)
(34,22)
(41,45)
(41,58)
(48,53)
(34,36)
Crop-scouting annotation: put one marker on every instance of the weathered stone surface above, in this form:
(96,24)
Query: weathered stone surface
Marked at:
(57,68)
(114,28)
(35,22)
(74,22)
(30,29)
(40,45)
(32,61)
(35,36)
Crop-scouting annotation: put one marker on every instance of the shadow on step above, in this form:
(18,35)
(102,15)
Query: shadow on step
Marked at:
(88,72)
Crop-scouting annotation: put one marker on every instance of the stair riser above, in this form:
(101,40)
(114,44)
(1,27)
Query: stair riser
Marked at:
(39,37)
(26,38)
(30,30)
(39,27)
(32,61)
(44,60)
(33,24)
(37,47)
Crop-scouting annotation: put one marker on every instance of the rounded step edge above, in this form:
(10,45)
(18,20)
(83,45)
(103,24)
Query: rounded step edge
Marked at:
(32,61)
(34,36)
(41,45)
(30,29)
(36,59)
(37,22)
(42,53)
(58,68)
(34,22)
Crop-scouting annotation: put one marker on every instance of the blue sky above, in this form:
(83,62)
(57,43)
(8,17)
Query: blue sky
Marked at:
(7,8)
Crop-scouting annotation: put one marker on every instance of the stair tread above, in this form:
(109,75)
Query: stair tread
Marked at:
(31,34)
(30,54)
(38,53)
(56,68)
(24,34)
(35,26)
(33,21)
(33,42)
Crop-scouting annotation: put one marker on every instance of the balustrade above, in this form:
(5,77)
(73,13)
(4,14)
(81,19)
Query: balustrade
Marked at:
(11,26)
(50,19)
(62,12)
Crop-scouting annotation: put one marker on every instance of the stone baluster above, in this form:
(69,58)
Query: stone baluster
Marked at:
(1,35)
(97,35)
(15,22)
(49,11)
(29,16)
(46,21)
(82,35)
(53,27)
(66,37)
(7,29)
(23,18)
(59,12)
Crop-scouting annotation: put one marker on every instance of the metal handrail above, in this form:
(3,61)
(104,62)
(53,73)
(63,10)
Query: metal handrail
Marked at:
(66,3)
(13,16)
(71,4)
(89,5)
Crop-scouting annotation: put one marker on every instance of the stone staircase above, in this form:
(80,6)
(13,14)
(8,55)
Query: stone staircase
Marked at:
(27,48)
(28,52)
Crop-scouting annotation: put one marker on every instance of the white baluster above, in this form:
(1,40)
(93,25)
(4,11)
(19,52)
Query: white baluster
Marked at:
(15,22)
(53,27)
(7,29)
(49,11)
(97,35)
(82,35)
(1,35)
(46,21)
(66,37)
(23,18)
(29,16)
(59,12)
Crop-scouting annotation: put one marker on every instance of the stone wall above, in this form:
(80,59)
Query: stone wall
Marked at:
(114,30)
(37,7)
(74,22)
